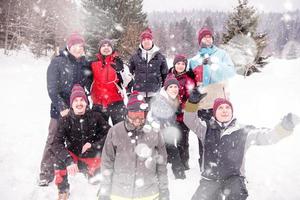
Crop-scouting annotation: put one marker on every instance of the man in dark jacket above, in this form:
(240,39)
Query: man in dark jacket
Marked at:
(78,142)
(65,70)
(148,66)
(134,158)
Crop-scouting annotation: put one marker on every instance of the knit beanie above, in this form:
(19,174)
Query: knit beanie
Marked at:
(78,91)
(170,80)
(136,102)
(146,34)
(218,102)
(180,58)
(74,38)
(203,32)
(105,41)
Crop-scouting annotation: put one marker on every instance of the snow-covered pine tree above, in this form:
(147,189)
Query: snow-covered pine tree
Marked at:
(243,21)
(119,20)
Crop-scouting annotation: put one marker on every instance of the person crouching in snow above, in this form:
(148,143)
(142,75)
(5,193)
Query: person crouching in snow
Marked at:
(225,143)
(78,142)
(163,109)
(134,159)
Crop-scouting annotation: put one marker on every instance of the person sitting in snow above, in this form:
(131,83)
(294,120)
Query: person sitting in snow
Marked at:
(225,143)
(148,66)
(106,90)
(78,142)
(186,84)
(212,67)
(134,160)
(163,109)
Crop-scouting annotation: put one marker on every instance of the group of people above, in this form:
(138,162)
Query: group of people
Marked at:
(132,150)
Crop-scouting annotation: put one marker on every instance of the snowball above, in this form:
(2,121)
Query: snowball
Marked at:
(143,151)
(171,134)
(139,182)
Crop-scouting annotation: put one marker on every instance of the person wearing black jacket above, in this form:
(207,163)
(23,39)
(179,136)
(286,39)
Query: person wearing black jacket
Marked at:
(78,142)
(65,70)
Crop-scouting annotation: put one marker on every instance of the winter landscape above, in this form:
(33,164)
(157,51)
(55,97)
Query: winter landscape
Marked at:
(261,99)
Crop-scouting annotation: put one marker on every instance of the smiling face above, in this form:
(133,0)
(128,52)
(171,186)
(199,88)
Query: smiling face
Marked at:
(224,113)
(172,91)
(137,119)
(180,67)
(207,40)
(147,43)
(106,49)
(79,106)
(77,50)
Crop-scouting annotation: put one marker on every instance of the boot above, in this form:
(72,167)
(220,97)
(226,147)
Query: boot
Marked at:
(63,196)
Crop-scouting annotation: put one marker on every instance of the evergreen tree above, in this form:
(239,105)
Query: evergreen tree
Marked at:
(244,21)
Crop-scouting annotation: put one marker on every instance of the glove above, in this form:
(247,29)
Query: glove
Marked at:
(206,61)
(289,121)
(196,96)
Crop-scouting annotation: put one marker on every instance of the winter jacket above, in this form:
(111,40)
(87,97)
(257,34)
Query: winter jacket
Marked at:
(63,72)
(134,163)
(107,80)
(186,84)
(215,75)
(76,130)
(225,145)
(149,69)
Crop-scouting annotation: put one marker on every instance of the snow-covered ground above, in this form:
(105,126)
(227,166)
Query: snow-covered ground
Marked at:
(261,99)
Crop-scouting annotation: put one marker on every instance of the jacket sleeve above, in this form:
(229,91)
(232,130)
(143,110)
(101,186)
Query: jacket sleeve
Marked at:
(102,130)
(59,147)
(53,84)
(265,136)
(226,68)
(107,165)
(162,173)
(193,122)
(164,69)
(131,68)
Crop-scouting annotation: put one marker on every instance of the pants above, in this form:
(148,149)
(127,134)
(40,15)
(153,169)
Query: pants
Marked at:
(175,160)
(205,115)
(233,188)
(115,110)
(183,145)
(89,166)
(47,163)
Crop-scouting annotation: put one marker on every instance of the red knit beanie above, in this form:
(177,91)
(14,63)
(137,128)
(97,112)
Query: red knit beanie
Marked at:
(136,102)
(218,102)
(78,91)
(75,38)
(180,58)
(170,80)
(146,34)
(203,32)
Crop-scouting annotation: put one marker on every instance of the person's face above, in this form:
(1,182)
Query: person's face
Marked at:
(106,49)
(137,119)
(79,106)
(207,40)
(172,91)
(77,50)
(147,43)
(224,113)
(180,67)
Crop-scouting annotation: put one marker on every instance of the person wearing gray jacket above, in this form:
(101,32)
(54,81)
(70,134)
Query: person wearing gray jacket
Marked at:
(134,160)
(225,143)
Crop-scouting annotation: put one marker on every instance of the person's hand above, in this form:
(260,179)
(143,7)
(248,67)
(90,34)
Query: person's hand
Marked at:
(196,96)
(289,121)
(64,112)
(85,147)
(72,169)
(206,61)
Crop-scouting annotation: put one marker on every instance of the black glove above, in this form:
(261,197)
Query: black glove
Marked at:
(196,96)
(289,121)
(206,61)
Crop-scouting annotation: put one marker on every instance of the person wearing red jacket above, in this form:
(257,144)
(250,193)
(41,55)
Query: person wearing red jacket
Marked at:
(106,89)
(186,83)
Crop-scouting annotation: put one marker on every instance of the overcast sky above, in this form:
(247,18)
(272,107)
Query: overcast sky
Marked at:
(225,5)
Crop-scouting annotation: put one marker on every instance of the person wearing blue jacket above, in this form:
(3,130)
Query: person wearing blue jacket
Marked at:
(212,67)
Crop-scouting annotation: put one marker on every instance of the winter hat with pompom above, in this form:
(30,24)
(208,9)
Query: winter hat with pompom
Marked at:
(170,80)
(75,38)
(136,102)
(218,102)
(146,34)
(78,91)
(203,32)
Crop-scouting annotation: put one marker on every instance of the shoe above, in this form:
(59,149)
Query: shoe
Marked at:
(43,182)
(63,196)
